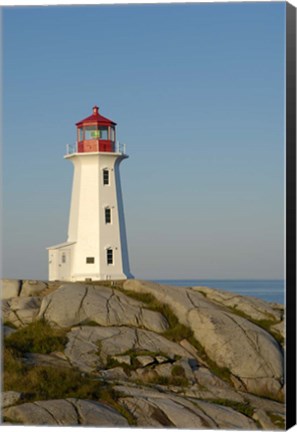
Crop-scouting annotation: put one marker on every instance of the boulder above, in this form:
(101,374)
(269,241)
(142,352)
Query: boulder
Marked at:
(9,398)
(253,307)
(20,310)
(116,373)
(88,346)
(154,408)
(35,359)
(10,288)
(213,393)
(161,359)
(278,329)
(32,288)
(205,378)
(74,304)
(263,419)
(151,412)
(126,359)
(251,354)
(164,370)
(226,418)
(144,360)
(65,412)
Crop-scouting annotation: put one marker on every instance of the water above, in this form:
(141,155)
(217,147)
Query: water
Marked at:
(269,290)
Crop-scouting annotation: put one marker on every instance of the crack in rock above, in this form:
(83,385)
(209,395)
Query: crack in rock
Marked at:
(21,282)
(49,301)
(80,307)
(254,344)
(108,307)
(77,412)
(17,316)
(46,410)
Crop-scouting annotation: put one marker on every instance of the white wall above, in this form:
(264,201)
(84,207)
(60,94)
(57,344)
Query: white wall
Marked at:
(87,225)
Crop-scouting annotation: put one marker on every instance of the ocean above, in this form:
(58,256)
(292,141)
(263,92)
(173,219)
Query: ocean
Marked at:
(269,290)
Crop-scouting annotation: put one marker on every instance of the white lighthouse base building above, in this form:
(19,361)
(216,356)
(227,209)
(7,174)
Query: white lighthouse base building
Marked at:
(96,248)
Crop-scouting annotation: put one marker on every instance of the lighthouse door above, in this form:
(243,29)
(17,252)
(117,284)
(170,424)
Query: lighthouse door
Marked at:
(64,264)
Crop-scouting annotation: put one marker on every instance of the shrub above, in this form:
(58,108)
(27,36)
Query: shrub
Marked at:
(37,337)
(178,371)
(46,382)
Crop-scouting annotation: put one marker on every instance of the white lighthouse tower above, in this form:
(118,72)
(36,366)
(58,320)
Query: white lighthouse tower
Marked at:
(96,247)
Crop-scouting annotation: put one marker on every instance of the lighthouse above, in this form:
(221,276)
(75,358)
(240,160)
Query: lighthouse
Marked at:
(96,247)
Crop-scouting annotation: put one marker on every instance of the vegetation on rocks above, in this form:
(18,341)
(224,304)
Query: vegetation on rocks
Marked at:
(37,337)
(263,323)
(244,408)
(178,331)
(127,358)
(45,383)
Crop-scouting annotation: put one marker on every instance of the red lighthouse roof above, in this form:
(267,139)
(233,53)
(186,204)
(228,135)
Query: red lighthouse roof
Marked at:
(96,118)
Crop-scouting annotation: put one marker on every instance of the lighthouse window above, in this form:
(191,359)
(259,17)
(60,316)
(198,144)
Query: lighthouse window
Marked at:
(63,258)
(112,134)
(105,177)
(103,133)
(109,256)
(91,132)
(90,260)
(107,215)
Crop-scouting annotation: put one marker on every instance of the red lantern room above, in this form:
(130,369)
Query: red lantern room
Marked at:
(96,133)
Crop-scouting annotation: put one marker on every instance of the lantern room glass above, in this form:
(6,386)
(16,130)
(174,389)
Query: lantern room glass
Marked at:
(91,132)
(96,132)
(103,132)
(112,134)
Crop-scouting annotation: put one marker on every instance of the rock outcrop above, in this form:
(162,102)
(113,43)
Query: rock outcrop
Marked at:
(252,355)
(162,356)
(68,412)
(76,304)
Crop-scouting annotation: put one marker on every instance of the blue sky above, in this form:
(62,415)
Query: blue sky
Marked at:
(197,91)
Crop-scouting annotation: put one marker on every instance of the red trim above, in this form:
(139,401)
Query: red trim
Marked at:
(88,146)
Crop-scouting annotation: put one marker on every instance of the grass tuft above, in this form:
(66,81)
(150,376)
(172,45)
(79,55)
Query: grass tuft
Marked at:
(46,382)
(37,337)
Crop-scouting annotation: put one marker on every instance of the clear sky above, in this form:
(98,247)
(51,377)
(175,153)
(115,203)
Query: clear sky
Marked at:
(197,91)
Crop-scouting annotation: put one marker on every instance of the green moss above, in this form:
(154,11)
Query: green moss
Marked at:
(37,337)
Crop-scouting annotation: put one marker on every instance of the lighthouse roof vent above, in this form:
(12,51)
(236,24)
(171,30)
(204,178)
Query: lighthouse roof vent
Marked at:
(95,118)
